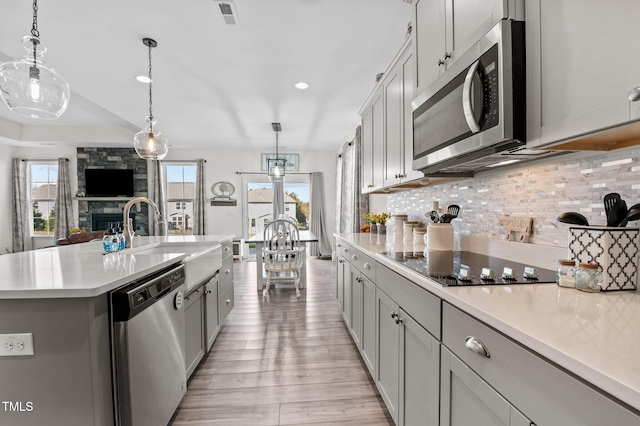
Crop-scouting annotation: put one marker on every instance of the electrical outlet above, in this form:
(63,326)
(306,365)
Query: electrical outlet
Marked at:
(19,344)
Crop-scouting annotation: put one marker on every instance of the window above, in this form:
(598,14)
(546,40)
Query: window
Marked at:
(181,193)
(43,179)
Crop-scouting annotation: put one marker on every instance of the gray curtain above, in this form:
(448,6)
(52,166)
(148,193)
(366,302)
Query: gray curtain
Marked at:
(318,219)
(63,207)
(158,195)
(20,211)
(278,198)
(199,205)
(352,204)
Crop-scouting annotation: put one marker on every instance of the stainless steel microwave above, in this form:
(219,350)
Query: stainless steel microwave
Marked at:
(476,109)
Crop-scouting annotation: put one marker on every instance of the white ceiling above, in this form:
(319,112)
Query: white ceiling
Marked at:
(214,86)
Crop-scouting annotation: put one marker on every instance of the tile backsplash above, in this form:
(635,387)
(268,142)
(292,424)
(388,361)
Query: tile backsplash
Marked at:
(541,191)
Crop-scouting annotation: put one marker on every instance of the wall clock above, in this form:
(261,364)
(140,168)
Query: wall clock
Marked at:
(223,189)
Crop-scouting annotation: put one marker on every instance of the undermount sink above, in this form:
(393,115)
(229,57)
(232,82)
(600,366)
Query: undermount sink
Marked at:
(203,259)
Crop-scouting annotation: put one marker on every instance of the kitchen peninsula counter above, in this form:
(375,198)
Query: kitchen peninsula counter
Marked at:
(85,270)
(594,336)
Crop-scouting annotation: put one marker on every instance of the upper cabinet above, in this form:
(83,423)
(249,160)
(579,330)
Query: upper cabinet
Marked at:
(445,29)
(582,61)
(372,144)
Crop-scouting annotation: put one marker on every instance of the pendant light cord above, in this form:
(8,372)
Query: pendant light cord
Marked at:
(34,30)
(150,93)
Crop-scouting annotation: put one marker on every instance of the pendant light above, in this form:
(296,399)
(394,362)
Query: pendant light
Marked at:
(30,87)
(276,166)
(150,143)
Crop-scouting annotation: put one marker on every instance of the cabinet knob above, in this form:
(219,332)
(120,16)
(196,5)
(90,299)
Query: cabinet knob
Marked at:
(340,261)
(227,301)
(354,257)
(345,250)
(226,249)
(393,314)
(475,345)
(446,56)
(398,320)
(208,291)
(634,94)
(440,62)
(367,266)
(227,271)
(370,186)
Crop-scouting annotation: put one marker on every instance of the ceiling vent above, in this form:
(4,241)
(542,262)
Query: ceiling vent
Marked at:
(228,13)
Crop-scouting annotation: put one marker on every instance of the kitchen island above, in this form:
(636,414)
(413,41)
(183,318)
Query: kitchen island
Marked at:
(60,296)
(541,339)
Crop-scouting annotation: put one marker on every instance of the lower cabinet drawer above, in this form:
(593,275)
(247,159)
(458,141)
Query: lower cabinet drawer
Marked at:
(226,274)
(364,263)
(543,392)
(225,303)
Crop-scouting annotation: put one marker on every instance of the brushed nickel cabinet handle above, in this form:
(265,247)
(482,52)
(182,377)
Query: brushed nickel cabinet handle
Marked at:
(227,301)
(354,257)
(475,345)
(367,266)
(227,271)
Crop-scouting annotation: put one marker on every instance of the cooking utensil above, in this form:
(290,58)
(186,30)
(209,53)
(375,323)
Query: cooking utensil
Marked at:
(617,214)
(453,210)
(435,217)
(446,218)
(632,214)
(572,218)
(609,201)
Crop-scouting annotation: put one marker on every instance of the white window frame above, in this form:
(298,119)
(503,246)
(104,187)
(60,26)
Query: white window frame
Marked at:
(180,203)
(32,200)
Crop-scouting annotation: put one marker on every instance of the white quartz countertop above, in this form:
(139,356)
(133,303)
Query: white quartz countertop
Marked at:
(596,336)
(84,270)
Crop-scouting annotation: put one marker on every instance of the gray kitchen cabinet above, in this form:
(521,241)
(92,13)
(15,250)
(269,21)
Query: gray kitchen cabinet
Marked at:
(408,360)
(368,344)
(372,144)
(347,292)
(387,352)
(418,373)
(356,306)
(466,399)
(194,329)
(579,79)
(226,297)
(212,321)
(543,392)
(399,91)
(445,29)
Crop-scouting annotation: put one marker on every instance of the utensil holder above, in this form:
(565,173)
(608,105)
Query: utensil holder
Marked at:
(614,249)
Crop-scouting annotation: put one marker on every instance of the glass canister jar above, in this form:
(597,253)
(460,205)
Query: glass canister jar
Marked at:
(398,221)
(408,231)
(565,275)
(588,277)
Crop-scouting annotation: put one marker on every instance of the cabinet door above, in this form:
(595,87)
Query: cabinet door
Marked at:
(469,20)
(419,374)
(356,306)
(211,311)
(408,72)
(346,305)
(194,328)
(633,29)
(342,269)
(387,352)
(366,154)
(393,126)
(377,110)
(465,399)
(583,73)
(368,342)
(429,28)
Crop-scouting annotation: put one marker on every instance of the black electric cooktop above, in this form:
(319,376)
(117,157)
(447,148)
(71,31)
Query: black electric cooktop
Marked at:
(463,268)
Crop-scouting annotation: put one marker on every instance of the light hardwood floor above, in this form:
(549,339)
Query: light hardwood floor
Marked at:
(284,362)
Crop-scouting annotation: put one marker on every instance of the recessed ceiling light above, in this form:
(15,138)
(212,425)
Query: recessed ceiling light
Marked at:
(302,85)
(143,79)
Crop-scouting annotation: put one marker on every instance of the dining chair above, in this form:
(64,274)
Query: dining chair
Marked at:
(282,254)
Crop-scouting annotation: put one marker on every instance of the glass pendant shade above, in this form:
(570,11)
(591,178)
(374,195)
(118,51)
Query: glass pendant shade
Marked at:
(276,167)
(150,143)
(30,87)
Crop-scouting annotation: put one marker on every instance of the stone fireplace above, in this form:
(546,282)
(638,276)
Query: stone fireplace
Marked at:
(95,214)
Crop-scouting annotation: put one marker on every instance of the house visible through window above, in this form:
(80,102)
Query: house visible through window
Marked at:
(181,193)
(43,177)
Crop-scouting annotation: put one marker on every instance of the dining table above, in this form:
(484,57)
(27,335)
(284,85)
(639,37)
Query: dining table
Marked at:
(306,236)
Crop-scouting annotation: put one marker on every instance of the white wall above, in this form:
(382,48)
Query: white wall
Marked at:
(223,165)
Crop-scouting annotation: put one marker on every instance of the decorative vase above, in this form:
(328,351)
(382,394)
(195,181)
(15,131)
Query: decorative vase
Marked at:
(373,232)
(382,233)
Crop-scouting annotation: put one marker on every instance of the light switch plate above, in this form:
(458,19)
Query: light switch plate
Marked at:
(18,344)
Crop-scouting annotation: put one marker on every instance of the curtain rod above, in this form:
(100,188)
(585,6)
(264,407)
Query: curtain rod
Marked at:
(181,161)
(42,160)
(266,173)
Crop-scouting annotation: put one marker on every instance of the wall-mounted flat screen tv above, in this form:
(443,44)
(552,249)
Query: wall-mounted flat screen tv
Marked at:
(108,182)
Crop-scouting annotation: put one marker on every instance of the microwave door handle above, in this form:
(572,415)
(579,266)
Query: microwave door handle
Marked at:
(467,98)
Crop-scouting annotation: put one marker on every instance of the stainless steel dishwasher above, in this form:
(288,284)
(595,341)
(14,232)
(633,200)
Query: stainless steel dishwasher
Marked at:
(147,340)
